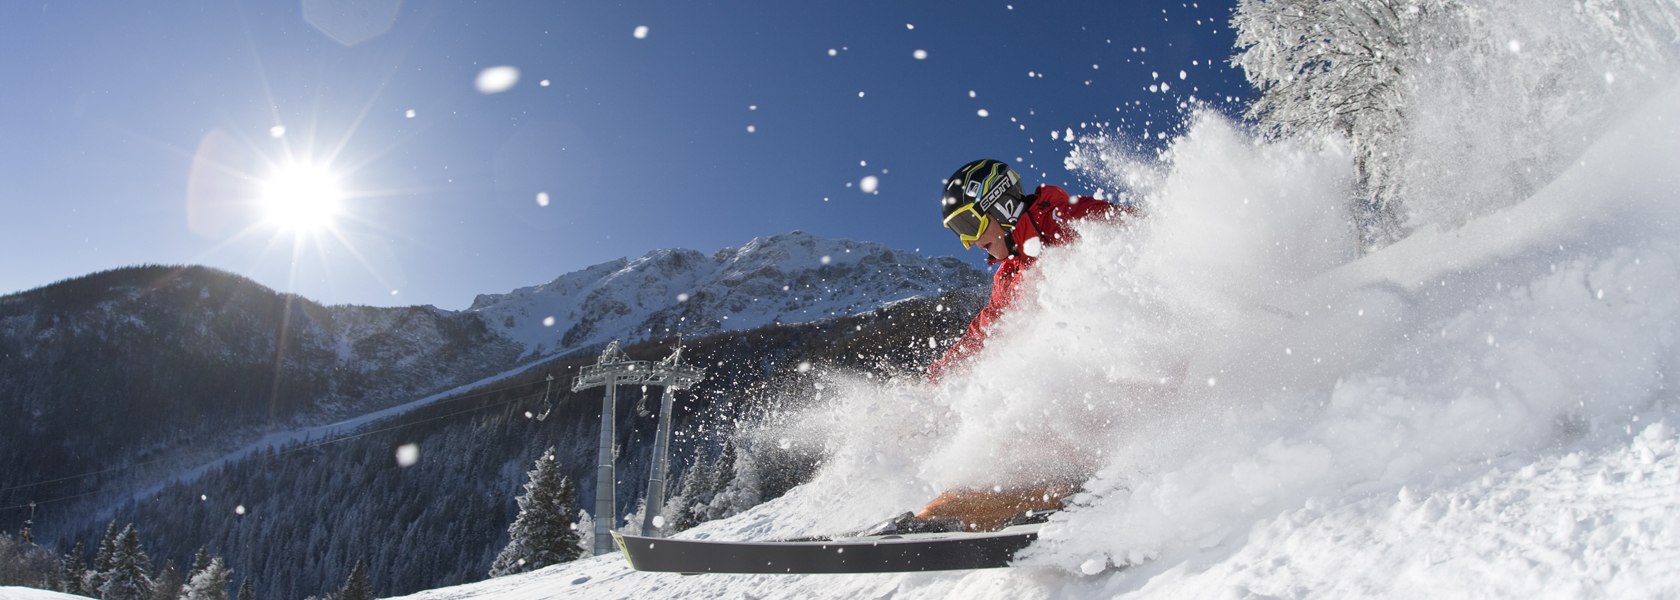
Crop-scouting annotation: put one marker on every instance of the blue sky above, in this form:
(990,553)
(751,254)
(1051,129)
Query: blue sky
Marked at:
(144,133)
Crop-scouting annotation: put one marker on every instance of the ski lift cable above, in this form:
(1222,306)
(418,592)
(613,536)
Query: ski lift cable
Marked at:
(316,445)
(297,449)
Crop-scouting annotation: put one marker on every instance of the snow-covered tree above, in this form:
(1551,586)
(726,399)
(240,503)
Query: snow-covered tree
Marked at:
(542,534)
(356,586)
(104,559)
(201,561)
(633,521)
(129,577)
(737,483)
(1392,77)
(72,572)
(1341,68)
(247,591)
(166,585)
(688,507)
(585,528)
(209,583)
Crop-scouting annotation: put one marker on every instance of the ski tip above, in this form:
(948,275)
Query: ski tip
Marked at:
(618,540)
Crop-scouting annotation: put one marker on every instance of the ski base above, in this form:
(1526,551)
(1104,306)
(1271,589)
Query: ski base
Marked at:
(882,554)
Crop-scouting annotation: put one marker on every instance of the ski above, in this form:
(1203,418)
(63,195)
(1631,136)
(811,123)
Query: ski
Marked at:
(896,553)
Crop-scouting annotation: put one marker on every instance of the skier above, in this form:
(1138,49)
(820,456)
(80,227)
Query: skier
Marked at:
(984,205)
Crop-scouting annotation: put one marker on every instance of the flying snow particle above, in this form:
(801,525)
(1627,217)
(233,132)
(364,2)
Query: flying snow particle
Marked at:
(910,26)
(1093,566)
(682,297)
(542,198)
(641,32)
(752,107)
(1609,78)
(239,510)
(659,521)
(407,455)
(409,114)
(971,93)
(1182,75)
(393,292)
(203,498)
(833,52)
(919,54)
(869,184)
(1033,246)
(1213,381)
(496,80)
(528,414)
(548,321)
(983,112)
(277,131)
(543,83)
(752,129)
(826,259)
(860,94)
(1514,45)
(804,366)
(784,443)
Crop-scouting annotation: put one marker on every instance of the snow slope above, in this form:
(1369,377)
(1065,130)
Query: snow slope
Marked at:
(19,593)
(1482,411)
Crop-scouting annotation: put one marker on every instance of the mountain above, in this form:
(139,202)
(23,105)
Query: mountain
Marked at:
(783,279)
(129,372)
(135,374)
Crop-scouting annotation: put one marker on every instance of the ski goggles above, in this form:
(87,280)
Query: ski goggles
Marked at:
(967,223)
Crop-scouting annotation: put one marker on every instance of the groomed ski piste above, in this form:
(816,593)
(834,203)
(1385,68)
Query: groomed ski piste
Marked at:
(1481,410)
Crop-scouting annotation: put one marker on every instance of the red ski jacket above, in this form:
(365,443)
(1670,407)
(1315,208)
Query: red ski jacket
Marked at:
(1044,221)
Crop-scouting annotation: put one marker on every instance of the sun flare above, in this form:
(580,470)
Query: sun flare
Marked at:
(301,198)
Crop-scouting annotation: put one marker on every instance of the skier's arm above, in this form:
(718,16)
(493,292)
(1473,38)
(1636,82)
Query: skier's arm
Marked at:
(971,342)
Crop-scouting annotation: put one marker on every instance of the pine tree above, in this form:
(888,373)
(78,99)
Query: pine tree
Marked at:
(210,583)
(585,530)
(741,492)
(128,579)
(247,591)
(724,473)
(543,533)
(356,586)
(72,572)
(688,507)
(633,521)
(167,584)
(201,561)
(104,560)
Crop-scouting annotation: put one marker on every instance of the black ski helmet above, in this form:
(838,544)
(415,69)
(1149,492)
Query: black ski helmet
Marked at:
(991,186)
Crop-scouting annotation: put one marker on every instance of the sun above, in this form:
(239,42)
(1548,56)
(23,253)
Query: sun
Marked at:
(301,198)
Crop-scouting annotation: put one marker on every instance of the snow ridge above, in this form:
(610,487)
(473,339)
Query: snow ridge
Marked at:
(789,278)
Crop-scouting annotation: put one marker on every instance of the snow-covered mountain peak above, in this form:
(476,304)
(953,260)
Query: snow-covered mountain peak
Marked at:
(793,277)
